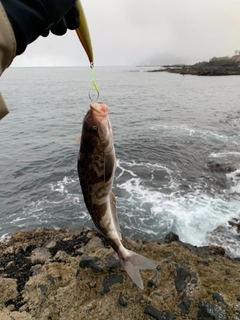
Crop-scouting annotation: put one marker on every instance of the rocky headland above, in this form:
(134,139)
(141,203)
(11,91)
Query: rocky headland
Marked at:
(50,274)
(222,66)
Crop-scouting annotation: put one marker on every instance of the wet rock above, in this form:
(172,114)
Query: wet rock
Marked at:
(170,237)
(217,250)
(235,224)
(207,310)
(224,236)
(224,167)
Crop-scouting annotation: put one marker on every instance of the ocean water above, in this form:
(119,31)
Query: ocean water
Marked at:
(169,131)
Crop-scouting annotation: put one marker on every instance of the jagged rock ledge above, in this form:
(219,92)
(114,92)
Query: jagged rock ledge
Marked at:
(61,274)
(222,66)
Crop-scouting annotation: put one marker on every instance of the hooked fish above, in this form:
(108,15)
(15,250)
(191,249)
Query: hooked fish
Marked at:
(96,168)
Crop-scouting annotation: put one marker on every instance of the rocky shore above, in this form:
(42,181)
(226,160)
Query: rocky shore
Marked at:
(222,66)
(50,274)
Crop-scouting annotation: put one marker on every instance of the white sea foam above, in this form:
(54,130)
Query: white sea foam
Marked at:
(234,178)
(4,237)
(182,130)
(227,237)
(154,212)
(151,167)
(225,154)
(51,208)
(60,186)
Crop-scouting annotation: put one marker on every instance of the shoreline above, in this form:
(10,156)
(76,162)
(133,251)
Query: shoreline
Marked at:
(63,274)
(224,66)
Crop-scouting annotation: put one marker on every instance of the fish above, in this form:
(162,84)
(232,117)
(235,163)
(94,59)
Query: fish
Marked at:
(96,168)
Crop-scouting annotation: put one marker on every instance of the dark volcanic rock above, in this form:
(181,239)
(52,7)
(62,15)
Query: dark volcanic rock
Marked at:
(224,166)
(210,311)
(215,67)
(216,296)
(185,305)
(111,280)
(153,312)
(123,301)
(157,314)
(153,282)
(170,237)
(183,277)
(16,266)
(91,262)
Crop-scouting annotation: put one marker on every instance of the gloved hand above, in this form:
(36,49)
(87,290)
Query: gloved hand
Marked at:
(32,18)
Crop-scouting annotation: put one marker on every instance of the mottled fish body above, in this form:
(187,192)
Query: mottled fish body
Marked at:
(96,168)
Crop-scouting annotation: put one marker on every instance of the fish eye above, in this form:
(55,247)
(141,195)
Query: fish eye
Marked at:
(93,129)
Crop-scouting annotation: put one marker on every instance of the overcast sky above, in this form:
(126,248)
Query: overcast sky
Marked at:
(132,32)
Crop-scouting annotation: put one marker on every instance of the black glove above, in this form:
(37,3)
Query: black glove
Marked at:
(32,18)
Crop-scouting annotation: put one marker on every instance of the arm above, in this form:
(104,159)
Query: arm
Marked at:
(23,21)
(7,51)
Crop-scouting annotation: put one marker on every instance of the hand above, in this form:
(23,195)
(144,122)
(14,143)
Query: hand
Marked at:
(32,18)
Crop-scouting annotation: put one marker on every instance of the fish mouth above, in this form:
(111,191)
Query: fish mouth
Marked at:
(100,109)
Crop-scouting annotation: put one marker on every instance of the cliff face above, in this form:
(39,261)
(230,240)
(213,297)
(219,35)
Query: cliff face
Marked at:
(59,274)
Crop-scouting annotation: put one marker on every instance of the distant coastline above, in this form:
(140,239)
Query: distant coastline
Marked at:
(217,66)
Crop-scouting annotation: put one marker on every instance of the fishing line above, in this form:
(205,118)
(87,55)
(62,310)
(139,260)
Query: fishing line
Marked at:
(93,80)
(84,37)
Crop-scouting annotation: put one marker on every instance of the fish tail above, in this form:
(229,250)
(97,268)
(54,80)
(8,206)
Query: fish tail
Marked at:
(132,263)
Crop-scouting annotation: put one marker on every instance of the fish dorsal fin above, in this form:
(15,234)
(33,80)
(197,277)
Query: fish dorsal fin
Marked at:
(114,214)
(109,164)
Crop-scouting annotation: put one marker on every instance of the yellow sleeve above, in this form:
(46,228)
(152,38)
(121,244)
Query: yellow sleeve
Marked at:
(7,51)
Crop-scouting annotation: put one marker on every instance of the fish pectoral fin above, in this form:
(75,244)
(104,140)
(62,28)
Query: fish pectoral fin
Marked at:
(109,165)
(78,140)
(114,214)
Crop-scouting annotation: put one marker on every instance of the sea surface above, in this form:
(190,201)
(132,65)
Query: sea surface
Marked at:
(171,132)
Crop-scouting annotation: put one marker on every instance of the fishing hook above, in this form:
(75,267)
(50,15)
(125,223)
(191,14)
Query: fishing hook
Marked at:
(96,98)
